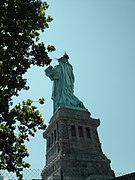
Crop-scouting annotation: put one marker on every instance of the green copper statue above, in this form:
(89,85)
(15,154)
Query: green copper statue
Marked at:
(63,85)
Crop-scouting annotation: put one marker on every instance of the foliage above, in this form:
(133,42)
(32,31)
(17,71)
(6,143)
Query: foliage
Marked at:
(21,22)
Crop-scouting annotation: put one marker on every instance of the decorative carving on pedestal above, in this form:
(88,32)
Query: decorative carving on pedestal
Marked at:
(73,148)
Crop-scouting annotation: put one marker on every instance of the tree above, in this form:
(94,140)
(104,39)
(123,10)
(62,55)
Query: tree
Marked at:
(21,22)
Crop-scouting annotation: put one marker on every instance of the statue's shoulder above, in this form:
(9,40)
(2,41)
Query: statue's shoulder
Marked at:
(70,65)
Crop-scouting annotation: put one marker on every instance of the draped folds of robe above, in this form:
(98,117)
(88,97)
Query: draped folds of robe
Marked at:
(63,86)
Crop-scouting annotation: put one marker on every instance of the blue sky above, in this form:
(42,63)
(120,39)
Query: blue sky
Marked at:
(99,37)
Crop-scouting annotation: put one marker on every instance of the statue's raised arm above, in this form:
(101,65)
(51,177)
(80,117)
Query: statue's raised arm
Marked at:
(63,85)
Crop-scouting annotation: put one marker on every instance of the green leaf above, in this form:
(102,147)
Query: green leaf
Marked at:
(41,100)
(49,19)
(29,102)
(50,48)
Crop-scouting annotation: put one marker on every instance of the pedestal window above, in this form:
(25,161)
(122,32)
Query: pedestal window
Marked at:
(80,131)
(73,132)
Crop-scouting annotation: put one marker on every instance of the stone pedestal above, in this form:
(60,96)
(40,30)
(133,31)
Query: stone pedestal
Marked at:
(73,148)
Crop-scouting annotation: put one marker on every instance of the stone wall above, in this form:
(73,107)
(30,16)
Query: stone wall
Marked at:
(73,148)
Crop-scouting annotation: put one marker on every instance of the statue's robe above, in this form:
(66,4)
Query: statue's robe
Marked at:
(63,86)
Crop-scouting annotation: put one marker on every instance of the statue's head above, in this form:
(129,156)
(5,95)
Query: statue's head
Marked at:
(64,58)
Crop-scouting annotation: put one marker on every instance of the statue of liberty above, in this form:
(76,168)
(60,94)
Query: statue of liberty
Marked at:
(63,85)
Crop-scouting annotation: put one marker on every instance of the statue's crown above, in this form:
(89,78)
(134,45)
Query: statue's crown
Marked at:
(66,56)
